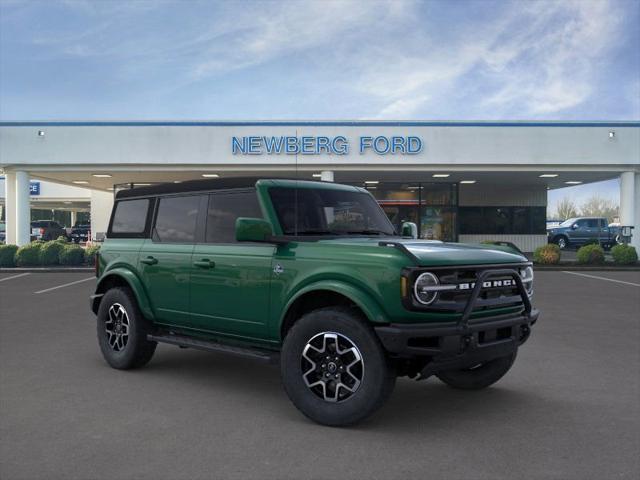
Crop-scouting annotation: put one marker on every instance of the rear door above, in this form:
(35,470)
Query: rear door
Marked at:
(230,281)
(165,258)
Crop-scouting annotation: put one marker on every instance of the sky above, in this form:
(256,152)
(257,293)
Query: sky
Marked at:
(395,60)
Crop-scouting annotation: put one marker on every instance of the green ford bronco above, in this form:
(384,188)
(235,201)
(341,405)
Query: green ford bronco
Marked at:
(311,275)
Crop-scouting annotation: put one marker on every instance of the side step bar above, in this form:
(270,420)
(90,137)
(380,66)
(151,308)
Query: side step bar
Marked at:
(266,356)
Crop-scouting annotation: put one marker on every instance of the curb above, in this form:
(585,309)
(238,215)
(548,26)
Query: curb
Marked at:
(47,270)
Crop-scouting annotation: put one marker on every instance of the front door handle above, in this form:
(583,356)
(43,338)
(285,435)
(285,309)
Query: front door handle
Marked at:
(204,263)
(149,260)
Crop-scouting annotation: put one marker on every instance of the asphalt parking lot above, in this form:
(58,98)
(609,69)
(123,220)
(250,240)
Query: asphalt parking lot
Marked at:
(568,409)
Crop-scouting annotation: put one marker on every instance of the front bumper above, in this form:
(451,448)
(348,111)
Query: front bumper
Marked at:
(447,346)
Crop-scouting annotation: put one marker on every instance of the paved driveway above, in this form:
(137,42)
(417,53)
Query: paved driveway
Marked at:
(568,409)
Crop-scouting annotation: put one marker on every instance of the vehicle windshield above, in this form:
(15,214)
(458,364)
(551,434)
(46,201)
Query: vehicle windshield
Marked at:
(328,212)
(568,222)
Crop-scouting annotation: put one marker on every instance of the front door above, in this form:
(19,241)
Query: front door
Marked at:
(165,259)
(230,281)
(580,232)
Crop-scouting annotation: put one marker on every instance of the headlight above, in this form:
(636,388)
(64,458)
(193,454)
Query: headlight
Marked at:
(425,288)
(526,275)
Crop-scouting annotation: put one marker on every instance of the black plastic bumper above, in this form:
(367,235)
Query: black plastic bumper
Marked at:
(452,345)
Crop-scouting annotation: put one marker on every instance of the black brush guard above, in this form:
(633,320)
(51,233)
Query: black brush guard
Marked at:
(467,342)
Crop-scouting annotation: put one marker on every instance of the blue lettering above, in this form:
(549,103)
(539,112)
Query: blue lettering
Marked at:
(365,142)
(414,145)
(323,144)
(397,144)
(376,145)
(237,147)
(308,146)
(340,145)
(273,144)
(292,146)
(254,146)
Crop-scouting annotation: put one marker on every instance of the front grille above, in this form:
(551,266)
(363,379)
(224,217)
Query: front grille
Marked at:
(498,292)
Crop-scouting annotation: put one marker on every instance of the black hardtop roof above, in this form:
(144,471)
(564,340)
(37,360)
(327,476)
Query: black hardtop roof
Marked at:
(202,186)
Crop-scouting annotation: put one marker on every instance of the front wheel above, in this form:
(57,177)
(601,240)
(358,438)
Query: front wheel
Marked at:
(122,331)
(479,376)
(333,367)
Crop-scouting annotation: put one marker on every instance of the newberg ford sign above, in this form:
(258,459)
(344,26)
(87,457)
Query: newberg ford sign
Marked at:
(311,145)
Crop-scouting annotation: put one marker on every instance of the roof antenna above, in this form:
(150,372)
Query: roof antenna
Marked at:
(295,201)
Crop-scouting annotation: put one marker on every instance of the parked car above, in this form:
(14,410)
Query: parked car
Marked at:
(80,232)
(310,275)
(47,230)
(579,231)
(3,232)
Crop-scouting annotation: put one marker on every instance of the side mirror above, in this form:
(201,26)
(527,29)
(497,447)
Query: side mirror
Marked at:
(574,226)
(252,230)
(409,229)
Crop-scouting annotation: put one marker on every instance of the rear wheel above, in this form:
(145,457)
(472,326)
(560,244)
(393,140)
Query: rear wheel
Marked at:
(122,331)
(562,242)
(333,367)
(479,376)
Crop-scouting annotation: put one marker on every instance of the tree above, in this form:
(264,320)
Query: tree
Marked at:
(566,209)
(597,206)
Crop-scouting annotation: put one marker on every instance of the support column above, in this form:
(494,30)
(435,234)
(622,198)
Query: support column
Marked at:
(630,204)
(74,216)
(23,209)
(101,206)
(10,206)
(326,176)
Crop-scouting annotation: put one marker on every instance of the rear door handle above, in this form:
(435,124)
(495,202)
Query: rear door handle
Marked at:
(149,260)
(204,263)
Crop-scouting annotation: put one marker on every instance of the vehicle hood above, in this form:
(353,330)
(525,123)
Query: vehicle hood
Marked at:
(435,253)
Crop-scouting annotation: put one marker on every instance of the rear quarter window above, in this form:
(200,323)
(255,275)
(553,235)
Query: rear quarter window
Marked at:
(129,218)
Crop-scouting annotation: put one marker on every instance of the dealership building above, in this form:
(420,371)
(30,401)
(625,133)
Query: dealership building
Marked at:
(458,181)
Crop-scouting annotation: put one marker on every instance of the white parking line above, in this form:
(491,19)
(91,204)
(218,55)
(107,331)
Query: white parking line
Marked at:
(65,285)
(602,278)
(12,277)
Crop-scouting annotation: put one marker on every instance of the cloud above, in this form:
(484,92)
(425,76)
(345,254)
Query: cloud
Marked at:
(385,59)
(535,59)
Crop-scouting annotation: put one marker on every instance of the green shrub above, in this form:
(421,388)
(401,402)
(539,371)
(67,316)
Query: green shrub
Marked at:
(29,255)
(71,255)
(8,255)
(90,254)
(547,254)
(50,253)
(624,254)
(62,239)
(590,254)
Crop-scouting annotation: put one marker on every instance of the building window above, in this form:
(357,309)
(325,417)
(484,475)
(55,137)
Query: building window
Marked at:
(502,220)
(431,206)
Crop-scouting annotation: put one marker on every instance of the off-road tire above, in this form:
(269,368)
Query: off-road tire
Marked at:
(480,376)
(378,377)
(138,350)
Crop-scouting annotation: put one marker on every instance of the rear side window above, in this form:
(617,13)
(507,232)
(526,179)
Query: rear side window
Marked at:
(224,209)
(130,217)
(176,219)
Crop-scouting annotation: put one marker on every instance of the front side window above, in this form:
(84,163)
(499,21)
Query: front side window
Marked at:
(130,216)
(311,211)
(176,219)
(224,209)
